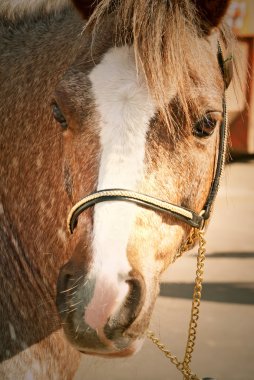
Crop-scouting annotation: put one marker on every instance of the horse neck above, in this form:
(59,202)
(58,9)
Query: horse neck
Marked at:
(34,54)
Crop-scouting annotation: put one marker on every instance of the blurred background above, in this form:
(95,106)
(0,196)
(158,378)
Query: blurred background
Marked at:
(241,20)
(225,342)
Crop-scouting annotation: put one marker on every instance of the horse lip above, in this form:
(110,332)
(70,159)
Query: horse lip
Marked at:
(121,353)
(130,347)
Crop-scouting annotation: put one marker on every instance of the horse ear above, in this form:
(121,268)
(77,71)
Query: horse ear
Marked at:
(211,12)
(85,7)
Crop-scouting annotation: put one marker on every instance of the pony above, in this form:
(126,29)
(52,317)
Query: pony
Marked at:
(98,95)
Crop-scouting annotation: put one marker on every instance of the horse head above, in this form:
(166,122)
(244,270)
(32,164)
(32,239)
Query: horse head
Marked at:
(141,110)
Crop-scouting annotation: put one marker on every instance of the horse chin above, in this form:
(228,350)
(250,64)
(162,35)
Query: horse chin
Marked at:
(114,339)
(106,343)
(132,349)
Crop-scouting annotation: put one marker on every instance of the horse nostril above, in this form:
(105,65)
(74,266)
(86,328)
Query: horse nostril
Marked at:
(68,282)
(62,289)
(73,272)
(129,310)
(64,278)
(134,294)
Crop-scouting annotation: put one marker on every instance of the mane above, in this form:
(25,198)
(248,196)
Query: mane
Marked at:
(166,36)
(16,9)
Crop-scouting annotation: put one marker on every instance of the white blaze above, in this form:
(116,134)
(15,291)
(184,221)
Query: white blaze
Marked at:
(125,110)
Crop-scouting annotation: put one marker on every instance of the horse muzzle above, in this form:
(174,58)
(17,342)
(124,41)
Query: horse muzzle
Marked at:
(98,312)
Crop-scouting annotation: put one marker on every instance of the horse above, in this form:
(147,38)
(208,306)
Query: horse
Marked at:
(97,97)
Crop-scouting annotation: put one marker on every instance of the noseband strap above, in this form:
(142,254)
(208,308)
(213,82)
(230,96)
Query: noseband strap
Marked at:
(186,215)
(181,213)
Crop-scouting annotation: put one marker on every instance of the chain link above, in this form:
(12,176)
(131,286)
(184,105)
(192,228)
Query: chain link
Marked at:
(184,366)
(190,243)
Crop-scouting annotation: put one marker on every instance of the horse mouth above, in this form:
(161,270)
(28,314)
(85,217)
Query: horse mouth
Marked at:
(132,348)
(100,333)
(112,340)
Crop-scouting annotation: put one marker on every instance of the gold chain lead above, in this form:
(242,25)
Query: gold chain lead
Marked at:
(184,366)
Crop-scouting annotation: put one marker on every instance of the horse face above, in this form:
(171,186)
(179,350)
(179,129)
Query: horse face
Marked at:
(114,137)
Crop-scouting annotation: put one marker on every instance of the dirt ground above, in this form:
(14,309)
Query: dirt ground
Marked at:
(225,342)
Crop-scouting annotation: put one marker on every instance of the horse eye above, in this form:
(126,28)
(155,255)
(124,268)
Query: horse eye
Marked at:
(205,126)
(57,113)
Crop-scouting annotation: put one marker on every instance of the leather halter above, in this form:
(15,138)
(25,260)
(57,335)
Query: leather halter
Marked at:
(188,216)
